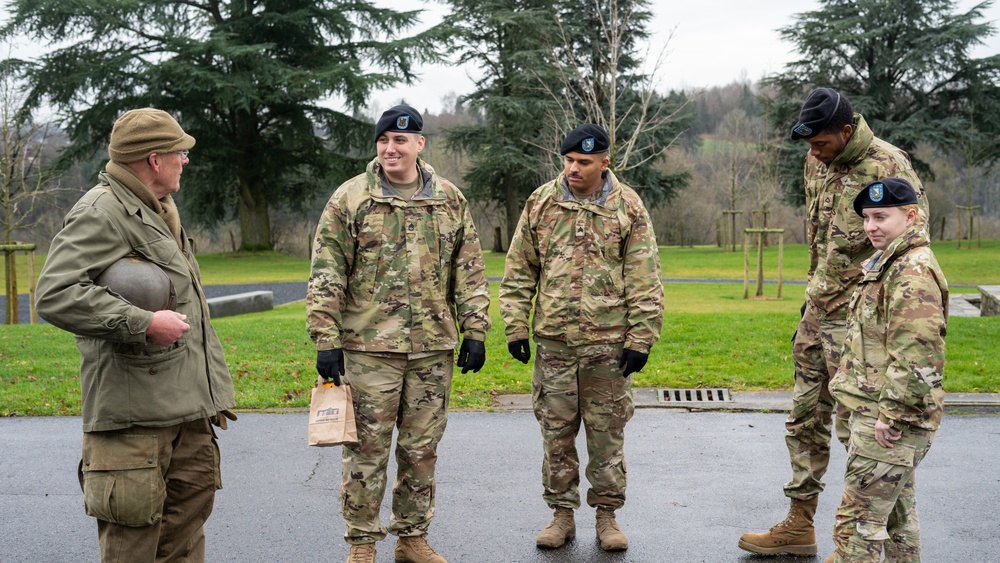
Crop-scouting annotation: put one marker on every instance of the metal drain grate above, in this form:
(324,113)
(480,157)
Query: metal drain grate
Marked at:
(693,395)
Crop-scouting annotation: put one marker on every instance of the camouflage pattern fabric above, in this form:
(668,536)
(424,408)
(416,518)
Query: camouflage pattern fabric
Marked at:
(410,391)
(837,246)
(571,384)
(835,233)
(893,360)
(391,275)
(591,267)
(878,511)
(816,351)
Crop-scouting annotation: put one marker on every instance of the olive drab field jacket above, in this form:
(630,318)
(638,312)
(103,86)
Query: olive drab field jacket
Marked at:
(124,379)
(592,269)
(391,275)
(835,233)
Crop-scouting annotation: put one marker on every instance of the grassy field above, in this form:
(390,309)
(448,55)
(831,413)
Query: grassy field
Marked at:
(712,338)
(979,266)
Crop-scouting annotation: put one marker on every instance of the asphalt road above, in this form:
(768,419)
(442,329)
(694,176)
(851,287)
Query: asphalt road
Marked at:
(696,482)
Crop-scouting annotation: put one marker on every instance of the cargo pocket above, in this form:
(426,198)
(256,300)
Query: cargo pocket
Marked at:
(121,480)
(863,443)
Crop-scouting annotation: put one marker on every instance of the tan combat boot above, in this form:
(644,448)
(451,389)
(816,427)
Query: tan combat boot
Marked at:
(611,536)
(362,553)
(414,549)
(794,535)
(559,531)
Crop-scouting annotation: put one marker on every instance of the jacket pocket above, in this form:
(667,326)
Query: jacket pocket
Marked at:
(121,480)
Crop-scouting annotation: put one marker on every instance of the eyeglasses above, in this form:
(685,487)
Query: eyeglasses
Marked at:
(184,154)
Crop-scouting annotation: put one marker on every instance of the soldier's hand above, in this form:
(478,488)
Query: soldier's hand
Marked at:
(632,361)
(471,356)
(885,435)
(520,350)
(330,364)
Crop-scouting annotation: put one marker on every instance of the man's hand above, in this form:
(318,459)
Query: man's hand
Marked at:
(885,435)
(632,361)
(330,365)
(166,327)
(520,350)
(471,356)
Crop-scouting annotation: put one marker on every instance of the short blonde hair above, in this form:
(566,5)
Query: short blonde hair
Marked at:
(921,216)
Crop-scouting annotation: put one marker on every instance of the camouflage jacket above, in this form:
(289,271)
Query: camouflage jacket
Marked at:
(593,265)
(390,275)
(835,234)
(893,357)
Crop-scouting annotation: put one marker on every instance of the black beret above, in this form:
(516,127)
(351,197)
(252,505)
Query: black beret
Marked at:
(816,112)
(587,138)
(887,192)
(399,118)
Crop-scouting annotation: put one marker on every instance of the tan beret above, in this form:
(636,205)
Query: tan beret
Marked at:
(141,132)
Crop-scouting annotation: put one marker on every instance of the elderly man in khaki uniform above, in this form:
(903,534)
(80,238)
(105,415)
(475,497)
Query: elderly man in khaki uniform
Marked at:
(584,257)
(152,382)
(397,275)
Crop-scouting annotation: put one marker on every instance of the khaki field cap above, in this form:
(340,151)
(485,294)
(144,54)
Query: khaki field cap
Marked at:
(141,132)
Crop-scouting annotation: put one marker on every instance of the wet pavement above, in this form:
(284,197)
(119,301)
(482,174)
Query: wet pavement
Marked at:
(697,480)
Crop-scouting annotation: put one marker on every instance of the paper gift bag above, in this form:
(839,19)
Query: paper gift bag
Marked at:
(331,415)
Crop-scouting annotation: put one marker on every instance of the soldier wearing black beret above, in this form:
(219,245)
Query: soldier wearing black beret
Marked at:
(398,278)
(844,154)
(584,261)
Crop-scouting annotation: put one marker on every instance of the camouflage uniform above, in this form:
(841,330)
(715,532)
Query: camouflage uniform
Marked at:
(891,370)
(837,245)
(595,268)
(390,281)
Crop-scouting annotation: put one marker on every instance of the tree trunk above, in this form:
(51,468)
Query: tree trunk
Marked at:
(255,222)
(512,206)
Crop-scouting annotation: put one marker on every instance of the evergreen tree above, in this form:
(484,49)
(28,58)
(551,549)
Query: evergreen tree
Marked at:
(504,40)
(244,77)
(904,64)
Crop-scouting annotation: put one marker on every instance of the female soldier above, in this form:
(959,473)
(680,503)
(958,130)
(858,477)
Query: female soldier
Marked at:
(890,377)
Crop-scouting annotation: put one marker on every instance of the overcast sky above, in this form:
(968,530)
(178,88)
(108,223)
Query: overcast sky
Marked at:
(714,43)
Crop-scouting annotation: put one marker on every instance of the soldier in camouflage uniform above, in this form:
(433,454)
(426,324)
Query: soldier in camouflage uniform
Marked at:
(397,269)
(844,155)
(584,250)
(890,378)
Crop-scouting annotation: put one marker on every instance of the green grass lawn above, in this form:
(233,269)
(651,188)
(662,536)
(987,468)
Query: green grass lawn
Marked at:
(965,267)
(712,338)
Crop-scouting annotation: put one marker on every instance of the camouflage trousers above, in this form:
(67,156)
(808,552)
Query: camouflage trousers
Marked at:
(411,392)
(879,507)
(571,384)
(816,352)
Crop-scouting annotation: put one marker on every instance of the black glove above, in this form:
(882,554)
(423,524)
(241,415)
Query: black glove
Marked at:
(471,356)
(330,364)
(520,350)
(632,361)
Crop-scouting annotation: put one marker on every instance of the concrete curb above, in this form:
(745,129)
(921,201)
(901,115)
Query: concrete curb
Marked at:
(755,401)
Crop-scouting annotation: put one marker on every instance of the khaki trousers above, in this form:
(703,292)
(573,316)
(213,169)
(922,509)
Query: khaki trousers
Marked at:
(151,490)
